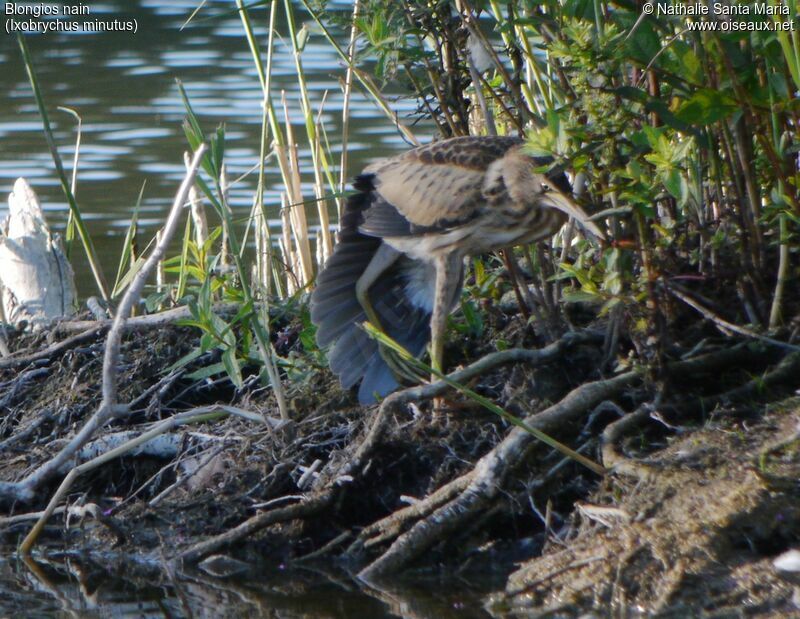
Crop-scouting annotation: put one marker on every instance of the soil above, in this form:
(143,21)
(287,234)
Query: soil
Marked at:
(694,532)
(702,499)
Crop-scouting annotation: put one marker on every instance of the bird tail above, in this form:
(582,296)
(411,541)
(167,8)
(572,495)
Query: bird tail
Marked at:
(336,312)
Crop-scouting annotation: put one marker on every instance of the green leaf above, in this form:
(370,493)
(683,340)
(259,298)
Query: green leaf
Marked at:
(706,106)
(637,95)
(207,340)
(153,301)
(232,367)
(778,83)
(674,183)
(185,360)
(210,370)
(692,69)
(644,44)
(579,9)
(581,296)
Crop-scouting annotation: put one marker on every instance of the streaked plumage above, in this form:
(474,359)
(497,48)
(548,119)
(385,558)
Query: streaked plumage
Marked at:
(403,239)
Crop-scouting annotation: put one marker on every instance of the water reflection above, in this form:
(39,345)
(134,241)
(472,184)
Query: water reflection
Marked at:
(67,585)
(123,86)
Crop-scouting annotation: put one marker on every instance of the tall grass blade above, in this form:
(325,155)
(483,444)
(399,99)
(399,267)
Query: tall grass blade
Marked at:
(86,240)
(387,341)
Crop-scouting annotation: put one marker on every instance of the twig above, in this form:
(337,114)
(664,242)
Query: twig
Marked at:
(12,520)
(786,372)
(108,407)
(348,89)
(614,431)
(150,321)
(327,485)
(390,527)
(51,351)
(775,312)
(728,327)
(326,548)
(197,415)
(489,475)
(28,431)
(184,478)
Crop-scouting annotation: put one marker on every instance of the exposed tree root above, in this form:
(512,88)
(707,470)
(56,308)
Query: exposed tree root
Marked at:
(336,475)
(88,334)
(701,541)
(476,490)
(392,526)
(488,475)
(327,476)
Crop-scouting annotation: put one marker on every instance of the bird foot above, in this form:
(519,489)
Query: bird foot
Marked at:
(439,412)
(403,371)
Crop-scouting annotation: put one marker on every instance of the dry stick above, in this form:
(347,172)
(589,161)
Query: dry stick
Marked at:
(41,418)
(614,431)
(775,312)
(108,407)
(502,104)
(475,76)
(191,416)
(51,351)
(182,479)
(433,77)
(761,136)
(308,506)
(4,350)
(431,113)
(391,525)
(615,459)
(513,274)
(12,520)
(339,539)
(148,321)
(327,485)
(728,327)
(489,473)
(744,153)
(197,209)
(785,373)
(348,89)
(513,87)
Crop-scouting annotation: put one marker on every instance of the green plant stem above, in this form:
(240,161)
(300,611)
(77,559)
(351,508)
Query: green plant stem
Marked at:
(86,239)
(387,341)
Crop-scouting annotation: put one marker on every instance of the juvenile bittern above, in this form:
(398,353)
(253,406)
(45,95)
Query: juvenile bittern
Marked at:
(399,261)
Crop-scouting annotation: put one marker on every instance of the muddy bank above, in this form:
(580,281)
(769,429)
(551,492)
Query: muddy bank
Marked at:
(701,498)
(692,529)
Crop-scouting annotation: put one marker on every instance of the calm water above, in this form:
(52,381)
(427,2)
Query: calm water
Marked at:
(67,586)
(123,86)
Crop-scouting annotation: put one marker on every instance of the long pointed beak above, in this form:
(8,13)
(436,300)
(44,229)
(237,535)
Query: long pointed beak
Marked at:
(567,204)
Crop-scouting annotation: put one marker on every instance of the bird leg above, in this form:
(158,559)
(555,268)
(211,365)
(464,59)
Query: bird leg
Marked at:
(513,274)
(384,258)
(448,283)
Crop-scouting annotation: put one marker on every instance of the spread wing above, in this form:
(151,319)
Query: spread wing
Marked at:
(431,188)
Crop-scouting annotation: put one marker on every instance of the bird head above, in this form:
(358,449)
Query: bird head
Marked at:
(528,187)
(554,197)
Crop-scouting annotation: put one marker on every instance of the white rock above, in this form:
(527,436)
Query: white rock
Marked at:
(789,561)
(36,280)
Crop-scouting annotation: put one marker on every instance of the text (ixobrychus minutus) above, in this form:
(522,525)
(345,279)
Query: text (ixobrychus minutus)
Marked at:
(403,237)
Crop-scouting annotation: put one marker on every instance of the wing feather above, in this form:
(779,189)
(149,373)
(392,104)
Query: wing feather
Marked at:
(433,187)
